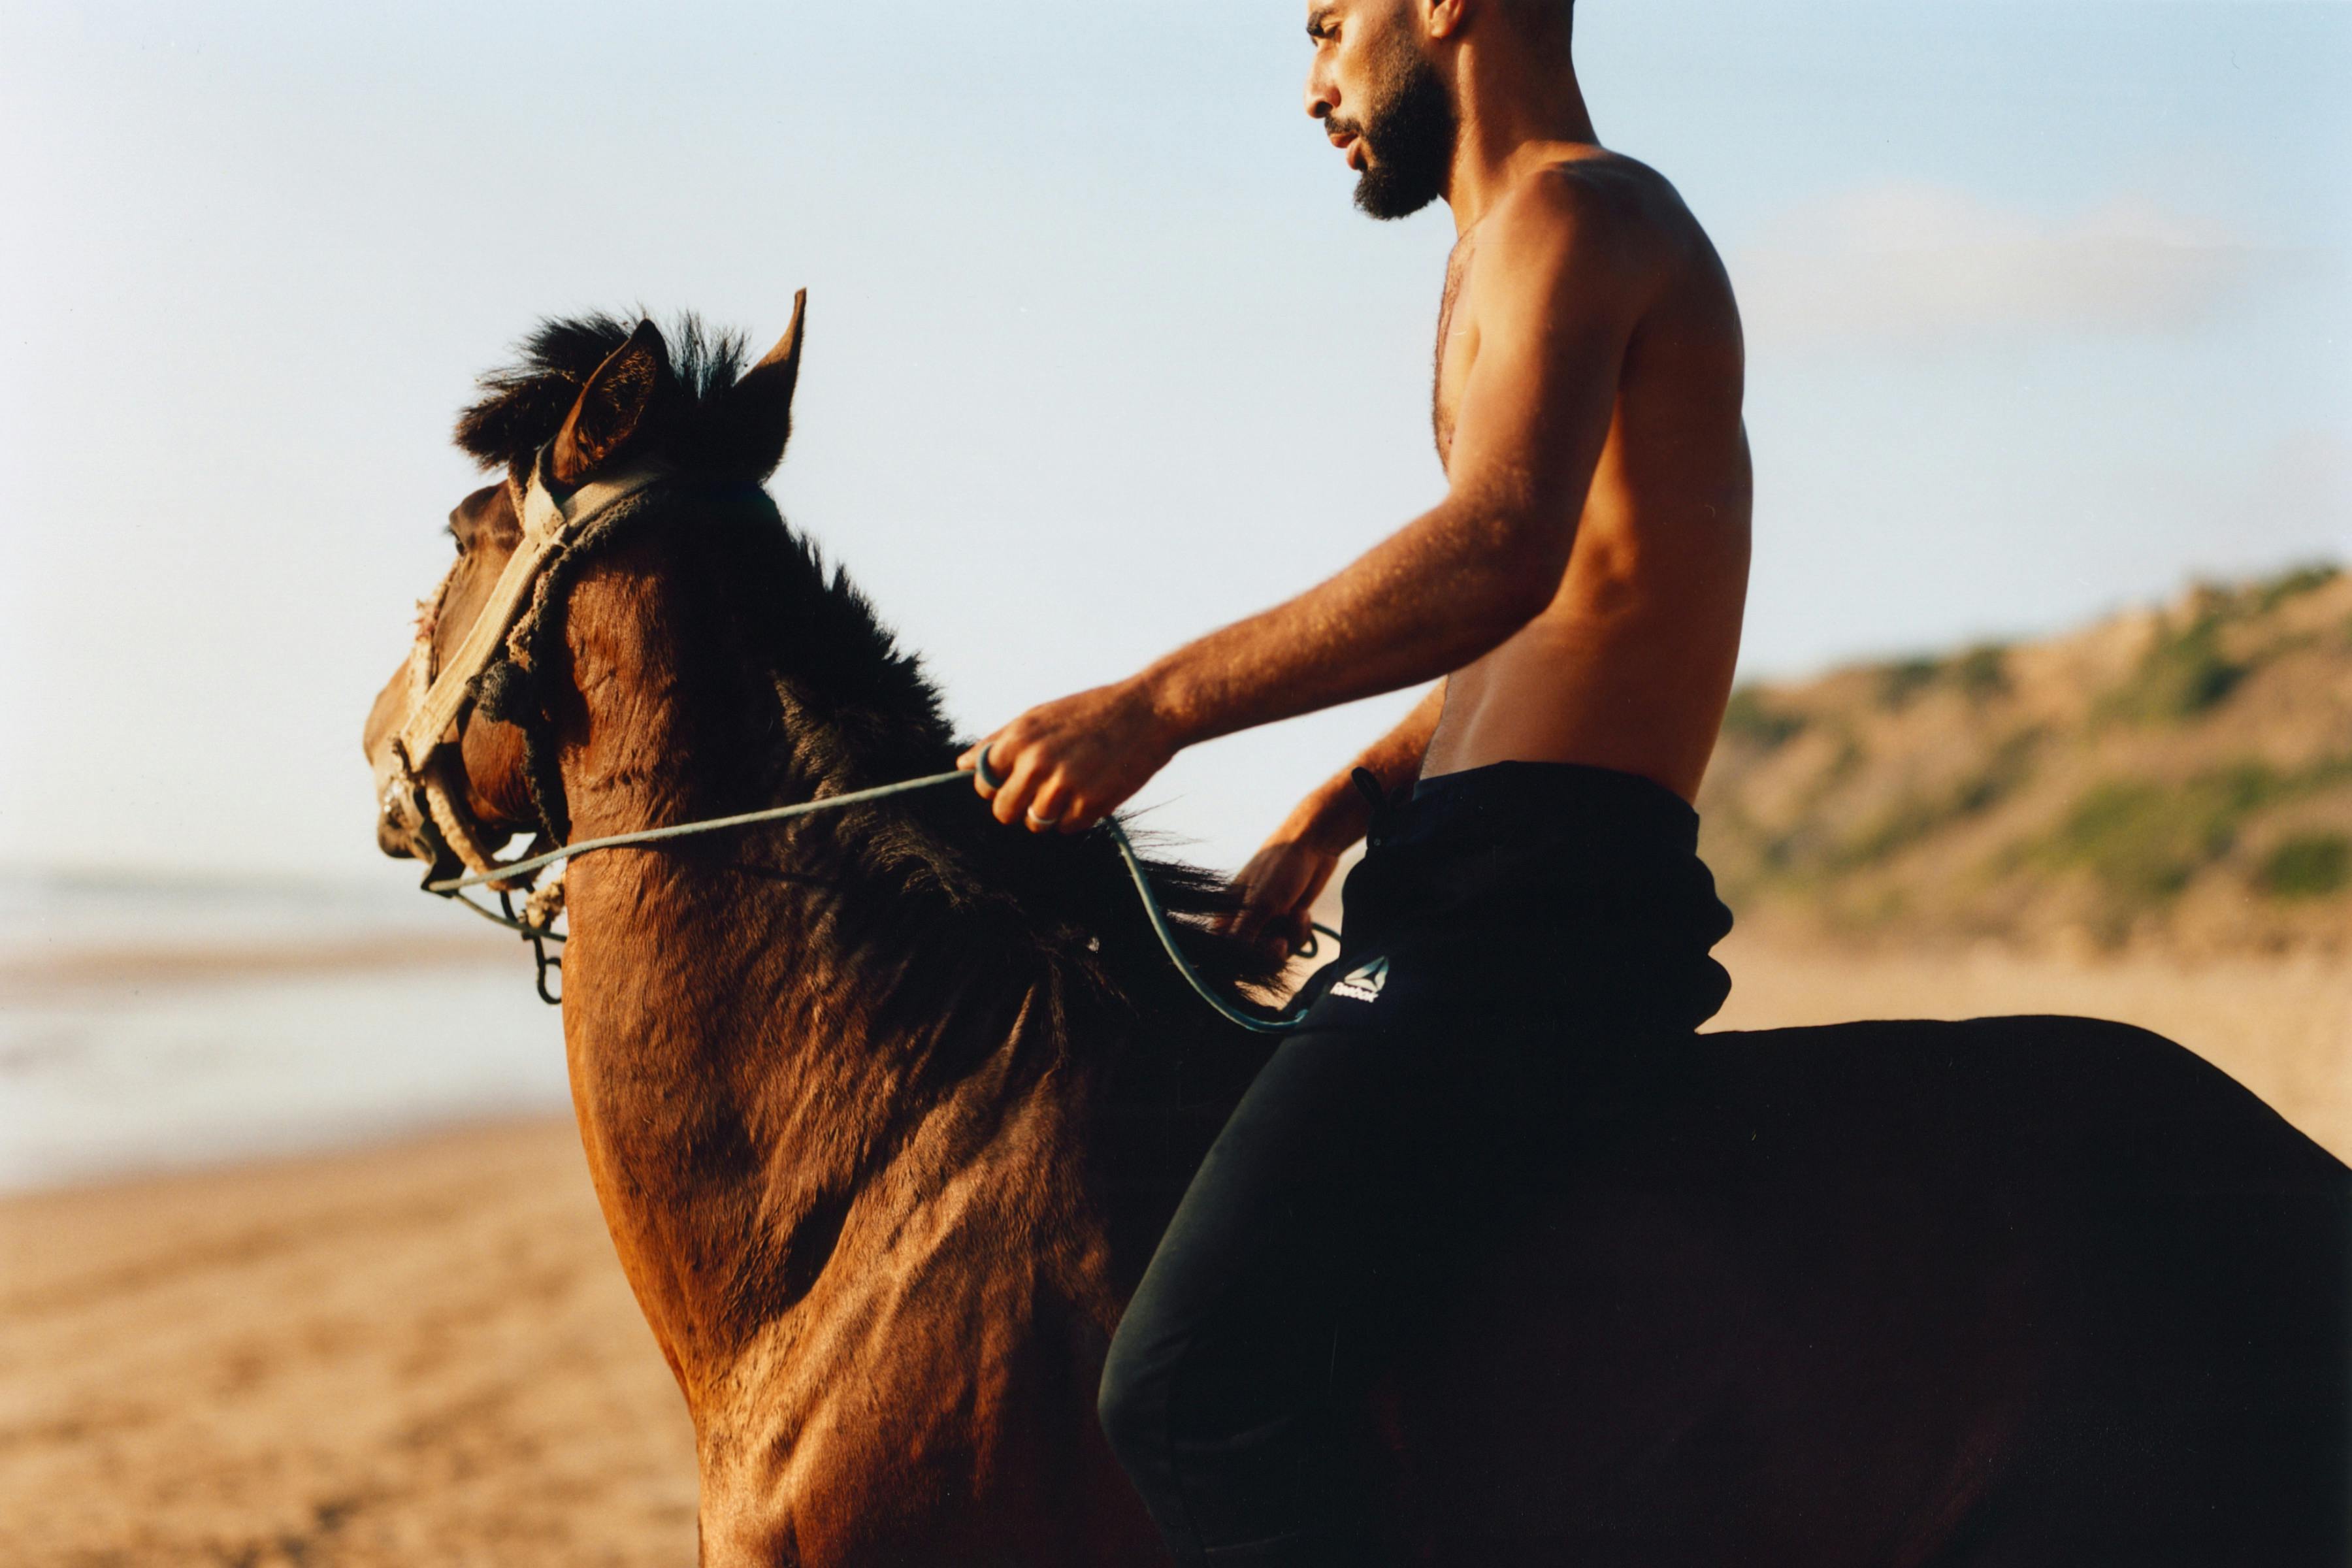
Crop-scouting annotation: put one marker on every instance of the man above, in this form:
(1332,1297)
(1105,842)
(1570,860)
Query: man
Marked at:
(1531,881)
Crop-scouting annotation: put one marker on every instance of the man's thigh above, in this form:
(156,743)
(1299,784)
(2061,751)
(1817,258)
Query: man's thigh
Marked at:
(1318,1225)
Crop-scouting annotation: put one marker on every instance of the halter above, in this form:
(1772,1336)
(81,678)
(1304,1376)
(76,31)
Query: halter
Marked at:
(419,778)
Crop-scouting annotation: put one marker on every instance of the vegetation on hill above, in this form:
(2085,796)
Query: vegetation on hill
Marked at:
(2179,778)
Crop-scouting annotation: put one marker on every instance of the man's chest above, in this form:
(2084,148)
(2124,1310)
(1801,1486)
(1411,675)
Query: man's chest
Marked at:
(1457,346)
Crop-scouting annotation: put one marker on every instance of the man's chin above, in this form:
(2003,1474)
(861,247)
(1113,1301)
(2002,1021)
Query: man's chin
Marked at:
(1380,195)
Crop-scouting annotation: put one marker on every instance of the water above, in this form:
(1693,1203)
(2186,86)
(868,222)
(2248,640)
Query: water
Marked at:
(150,1025)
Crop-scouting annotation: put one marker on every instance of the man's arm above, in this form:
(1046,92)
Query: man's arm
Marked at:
(1336,813)
(1283,879)
(1559,287)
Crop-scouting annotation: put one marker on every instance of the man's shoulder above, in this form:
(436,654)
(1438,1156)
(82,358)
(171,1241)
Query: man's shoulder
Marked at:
(1602,213)
(1603,196)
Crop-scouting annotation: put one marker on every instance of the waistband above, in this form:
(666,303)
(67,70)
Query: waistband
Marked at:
(1596,871)
(1542,798)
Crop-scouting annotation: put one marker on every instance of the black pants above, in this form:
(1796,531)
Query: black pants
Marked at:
(1500,917)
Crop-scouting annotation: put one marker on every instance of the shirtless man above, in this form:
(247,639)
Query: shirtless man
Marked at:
(1531,881)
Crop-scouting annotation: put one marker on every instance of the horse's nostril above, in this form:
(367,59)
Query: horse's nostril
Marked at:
(391,841)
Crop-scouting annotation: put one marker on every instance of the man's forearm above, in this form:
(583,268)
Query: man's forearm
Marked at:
(1336,814)
(1448,587)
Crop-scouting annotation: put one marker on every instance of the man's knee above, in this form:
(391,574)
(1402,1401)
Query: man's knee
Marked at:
(1131,1402)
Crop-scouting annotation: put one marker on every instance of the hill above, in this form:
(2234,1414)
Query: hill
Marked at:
(2175,780)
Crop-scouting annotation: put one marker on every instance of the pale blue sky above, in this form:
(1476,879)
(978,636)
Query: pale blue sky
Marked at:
(2049,309)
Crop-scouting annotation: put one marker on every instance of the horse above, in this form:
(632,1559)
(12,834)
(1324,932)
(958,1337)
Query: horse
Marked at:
(886,1107)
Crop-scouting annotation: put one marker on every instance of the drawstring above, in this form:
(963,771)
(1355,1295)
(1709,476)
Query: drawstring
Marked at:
(1386,803)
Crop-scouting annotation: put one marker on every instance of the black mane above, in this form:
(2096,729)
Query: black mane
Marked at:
(522,405)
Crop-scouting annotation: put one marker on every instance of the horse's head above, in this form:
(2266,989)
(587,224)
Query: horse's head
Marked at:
(591,415)
(485,764)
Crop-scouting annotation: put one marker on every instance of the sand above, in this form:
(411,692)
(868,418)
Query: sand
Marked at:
(427,1354)
(422,1354)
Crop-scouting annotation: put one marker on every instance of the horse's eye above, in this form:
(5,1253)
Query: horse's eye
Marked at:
(456,539)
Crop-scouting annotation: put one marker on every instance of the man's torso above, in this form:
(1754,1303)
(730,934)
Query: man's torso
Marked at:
(1630,665)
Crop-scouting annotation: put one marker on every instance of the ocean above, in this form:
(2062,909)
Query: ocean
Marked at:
(150,1024)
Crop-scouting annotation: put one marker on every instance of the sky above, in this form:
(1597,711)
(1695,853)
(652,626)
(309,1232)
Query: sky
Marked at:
(2048,305)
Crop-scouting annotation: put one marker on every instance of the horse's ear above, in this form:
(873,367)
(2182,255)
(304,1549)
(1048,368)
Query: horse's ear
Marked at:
(760,408)
(612,407)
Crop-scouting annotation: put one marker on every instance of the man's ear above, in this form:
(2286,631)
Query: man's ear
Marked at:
(758,412)
(1444,18)
(611,410)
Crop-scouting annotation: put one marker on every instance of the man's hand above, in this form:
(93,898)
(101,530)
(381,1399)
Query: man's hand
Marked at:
(1065,765)
(1279,889)
(1283,879)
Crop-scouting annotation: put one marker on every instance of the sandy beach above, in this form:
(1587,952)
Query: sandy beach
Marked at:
(424,1352)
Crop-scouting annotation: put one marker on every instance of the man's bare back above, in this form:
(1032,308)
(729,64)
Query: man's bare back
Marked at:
(1630,665)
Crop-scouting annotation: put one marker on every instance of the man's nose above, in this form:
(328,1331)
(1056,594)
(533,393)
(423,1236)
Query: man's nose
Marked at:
(1320,97)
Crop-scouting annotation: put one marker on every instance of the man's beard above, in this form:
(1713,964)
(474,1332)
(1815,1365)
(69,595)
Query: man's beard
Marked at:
(1408,135)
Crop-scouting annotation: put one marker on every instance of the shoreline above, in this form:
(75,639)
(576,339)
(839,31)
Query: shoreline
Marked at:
(95,968)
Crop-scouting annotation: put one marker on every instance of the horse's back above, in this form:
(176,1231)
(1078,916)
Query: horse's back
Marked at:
(2084,1093)
(2015,1291)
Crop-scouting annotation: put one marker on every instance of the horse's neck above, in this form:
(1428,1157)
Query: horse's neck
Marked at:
(792,1083)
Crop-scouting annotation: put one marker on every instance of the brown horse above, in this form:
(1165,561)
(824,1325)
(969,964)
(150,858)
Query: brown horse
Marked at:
(886,1107)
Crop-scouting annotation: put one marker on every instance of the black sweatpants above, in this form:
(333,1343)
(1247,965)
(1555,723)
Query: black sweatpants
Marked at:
(1500,917)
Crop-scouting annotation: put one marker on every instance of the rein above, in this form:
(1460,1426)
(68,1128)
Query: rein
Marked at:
(419,790)
(1160,926)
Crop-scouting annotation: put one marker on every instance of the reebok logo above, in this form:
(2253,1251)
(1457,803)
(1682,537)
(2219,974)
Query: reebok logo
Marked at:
(1364,985)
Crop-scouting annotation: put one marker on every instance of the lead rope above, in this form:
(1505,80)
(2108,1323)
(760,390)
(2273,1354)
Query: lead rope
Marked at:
(455,886)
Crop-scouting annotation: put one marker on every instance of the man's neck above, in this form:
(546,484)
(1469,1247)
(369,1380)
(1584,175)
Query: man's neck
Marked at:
(1517,115)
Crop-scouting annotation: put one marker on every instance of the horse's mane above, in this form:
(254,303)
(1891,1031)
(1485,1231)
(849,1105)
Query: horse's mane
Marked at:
(861,709)
(522,405)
